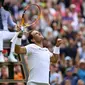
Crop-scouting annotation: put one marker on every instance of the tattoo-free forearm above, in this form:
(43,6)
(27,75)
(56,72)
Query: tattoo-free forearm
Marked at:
(17,49)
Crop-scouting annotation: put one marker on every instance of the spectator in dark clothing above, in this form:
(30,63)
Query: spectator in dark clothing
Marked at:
(69,76)
(66,2)
(70,50)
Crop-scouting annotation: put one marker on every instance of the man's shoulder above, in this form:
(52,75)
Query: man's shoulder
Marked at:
(30,45)
(5,11)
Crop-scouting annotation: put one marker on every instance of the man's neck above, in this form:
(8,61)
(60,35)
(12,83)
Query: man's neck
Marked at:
(39,44)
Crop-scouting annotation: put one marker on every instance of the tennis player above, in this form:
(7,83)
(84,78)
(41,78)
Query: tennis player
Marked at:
(38,57)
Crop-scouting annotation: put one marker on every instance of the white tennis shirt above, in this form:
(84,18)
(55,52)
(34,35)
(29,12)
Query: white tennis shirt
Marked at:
(38,63)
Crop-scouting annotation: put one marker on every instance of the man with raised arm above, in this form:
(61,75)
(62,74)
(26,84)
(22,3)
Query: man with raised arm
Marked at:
(39,58)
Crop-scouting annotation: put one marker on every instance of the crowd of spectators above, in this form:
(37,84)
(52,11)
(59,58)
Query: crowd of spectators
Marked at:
(59,19)
(17,74)
(4,72)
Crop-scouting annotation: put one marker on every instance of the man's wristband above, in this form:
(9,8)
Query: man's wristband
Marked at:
(18,41)
(56,50)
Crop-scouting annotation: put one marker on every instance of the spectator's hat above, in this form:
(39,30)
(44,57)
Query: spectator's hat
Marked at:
(24,5)
(70,69)
(81,25)
(68,58)
(72,6)
(65,28)
(82,61)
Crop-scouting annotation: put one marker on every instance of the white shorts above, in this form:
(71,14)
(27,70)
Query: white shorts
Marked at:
(6,35)
(34,83)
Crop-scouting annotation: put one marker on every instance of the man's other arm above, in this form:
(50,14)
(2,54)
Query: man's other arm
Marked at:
(56,51)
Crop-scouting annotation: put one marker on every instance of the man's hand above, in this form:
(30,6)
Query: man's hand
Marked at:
(58,42)
(56,51)
(17,27)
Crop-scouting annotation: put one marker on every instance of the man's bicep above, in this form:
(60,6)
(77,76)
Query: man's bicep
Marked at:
(20,50)
(23,50)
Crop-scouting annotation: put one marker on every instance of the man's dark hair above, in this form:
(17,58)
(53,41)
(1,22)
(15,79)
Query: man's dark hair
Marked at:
(30,36)
(2,2)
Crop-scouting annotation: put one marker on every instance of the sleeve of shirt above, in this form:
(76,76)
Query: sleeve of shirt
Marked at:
(28,49)
(10,21)
(51,54)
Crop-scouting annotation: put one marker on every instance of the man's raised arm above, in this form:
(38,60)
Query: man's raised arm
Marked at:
(18,48)
(56,51)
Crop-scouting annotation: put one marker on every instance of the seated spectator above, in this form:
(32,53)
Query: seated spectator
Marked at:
(70,77)
(68,62)
(81,71)
(80,82)
(4,73)
(18,73)
(67,82)
(58,71)
(81,52)
(54,77)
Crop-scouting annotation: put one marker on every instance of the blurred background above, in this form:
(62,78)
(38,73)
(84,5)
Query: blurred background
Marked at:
(59,19)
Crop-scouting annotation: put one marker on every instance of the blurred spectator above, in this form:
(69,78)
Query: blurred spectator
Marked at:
(81,71)
(5,83)
(80,82)
(4,73)
(47,44)
(74,15)
(69,76)
(18,73)
(70,50)
(83,9)
(55,77)
(78,4)
(68,82)
(66,2)
(80,52)
(68,62)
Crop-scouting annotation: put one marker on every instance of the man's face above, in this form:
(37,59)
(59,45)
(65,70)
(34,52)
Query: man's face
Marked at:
(37,36)
(69,73)
(82,66)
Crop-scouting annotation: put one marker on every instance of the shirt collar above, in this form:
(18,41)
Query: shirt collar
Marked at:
(40,47)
